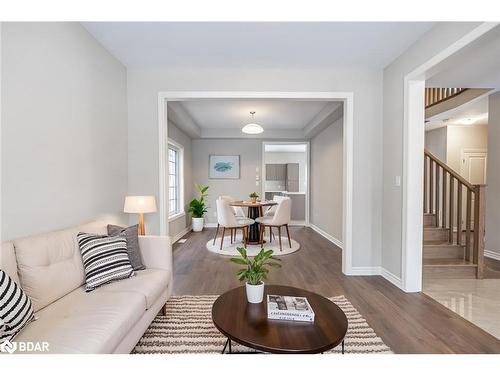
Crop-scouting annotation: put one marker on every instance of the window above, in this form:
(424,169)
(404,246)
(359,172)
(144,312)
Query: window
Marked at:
(175,180)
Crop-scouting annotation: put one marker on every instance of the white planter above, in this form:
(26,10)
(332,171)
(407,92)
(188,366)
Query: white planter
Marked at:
(255,293)
(197,224)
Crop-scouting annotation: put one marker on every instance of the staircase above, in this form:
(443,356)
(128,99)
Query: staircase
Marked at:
(454,222)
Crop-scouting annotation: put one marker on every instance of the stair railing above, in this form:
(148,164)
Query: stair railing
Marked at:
(435,95)
(445,194)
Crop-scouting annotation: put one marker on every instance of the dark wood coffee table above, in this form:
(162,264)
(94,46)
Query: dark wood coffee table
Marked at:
(247,323)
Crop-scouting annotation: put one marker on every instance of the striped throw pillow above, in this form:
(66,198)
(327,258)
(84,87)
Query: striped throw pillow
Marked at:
(105,259)
(16,310)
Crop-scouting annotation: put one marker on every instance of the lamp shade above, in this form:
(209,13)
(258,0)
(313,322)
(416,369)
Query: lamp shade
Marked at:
(139,204)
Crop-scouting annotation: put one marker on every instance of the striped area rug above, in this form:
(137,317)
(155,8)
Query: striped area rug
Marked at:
(188,328)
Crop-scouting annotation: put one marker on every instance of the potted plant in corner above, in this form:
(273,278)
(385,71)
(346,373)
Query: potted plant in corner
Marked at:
(253,197)
(197,208)
(255,272)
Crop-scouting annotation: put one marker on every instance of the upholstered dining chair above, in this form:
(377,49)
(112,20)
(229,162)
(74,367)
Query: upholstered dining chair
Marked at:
(238,212)
(272,210)
(227,220)
(280,219)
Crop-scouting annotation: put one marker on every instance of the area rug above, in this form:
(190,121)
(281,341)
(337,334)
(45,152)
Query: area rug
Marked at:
(229,249)
(188,328)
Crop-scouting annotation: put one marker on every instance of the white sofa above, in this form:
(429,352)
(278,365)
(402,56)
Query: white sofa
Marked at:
(110,319)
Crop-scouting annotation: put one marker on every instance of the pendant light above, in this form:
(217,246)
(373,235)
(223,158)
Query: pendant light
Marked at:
(252,128)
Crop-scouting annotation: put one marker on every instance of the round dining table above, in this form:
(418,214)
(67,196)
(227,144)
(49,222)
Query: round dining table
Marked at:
(255,210)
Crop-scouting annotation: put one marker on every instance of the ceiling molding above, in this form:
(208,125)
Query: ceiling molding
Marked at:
(327,116)
(267,134)
(178,115)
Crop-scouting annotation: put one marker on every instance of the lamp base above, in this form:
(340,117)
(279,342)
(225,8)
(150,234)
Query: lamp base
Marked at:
(142,229)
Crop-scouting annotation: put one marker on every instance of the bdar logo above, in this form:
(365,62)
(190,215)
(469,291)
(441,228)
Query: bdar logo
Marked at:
(8,347)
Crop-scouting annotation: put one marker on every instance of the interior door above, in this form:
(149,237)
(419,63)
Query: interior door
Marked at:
(473,168)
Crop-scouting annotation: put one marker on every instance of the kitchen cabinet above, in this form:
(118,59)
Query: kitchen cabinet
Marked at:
(276,172)
(292,177)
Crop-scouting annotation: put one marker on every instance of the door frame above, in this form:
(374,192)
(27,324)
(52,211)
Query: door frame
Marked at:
(346,97)
(308,168)
(413,160)
(464,151)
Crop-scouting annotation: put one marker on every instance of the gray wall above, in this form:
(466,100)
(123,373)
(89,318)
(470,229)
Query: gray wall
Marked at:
(326,180)
(64,128)
(250,152)
(180,224)
(435,142)
(493,176)
(365,84)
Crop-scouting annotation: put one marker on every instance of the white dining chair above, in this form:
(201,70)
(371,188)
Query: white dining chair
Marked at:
(238,212)
(227,220)
(280,219)
(272,210)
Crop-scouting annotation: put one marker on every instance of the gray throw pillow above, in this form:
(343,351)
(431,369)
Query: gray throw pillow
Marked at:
(133,250)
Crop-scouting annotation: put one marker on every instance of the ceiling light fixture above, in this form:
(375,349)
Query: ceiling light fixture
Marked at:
(252,128)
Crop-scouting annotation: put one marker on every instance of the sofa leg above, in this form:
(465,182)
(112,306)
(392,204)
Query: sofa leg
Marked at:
(164,310)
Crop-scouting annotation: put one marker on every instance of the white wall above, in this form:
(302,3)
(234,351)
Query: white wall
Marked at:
(250,152)
(64,128)
(285,158)
(366,85)
(493,176)
(327,180)
(431,44)
(436,142)
(179,225)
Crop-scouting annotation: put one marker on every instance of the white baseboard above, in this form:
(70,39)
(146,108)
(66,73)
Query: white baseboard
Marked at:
(181,234)
(327,236)
(393,279)
(210,225)
(492,254)
(364,271)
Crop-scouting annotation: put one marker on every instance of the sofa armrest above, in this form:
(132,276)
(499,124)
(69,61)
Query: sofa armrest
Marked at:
(156,252)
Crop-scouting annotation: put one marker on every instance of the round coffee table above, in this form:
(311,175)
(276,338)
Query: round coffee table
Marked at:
(247,323)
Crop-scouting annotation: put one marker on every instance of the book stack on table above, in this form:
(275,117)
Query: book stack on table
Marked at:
(289,308)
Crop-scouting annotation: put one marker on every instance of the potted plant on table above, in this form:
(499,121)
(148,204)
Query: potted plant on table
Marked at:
(198,208)
(255,272)
(253,197)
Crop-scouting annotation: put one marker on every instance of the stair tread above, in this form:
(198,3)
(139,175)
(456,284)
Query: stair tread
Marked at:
(448,262)
(439,244)
(436,242)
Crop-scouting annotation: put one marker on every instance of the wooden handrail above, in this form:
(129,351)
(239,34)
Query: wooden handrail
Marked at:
(443,198)
(436,95)
(449,170)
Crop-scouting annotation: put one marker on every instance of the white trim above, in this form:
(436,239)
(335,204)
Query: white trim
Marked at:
(413,130)
(181,234)
(365,271)
(492,254)
(348,149)
(393,279)
(308,168)
(329,237)
(176,216)
(180,170)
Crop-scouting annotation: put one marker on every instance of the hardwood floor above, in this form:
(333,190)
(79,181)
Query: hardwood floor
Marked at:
(407,322)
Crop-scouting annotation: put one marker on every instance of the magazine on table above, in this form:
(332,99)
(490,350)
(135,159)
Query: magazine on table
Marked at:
(289,308)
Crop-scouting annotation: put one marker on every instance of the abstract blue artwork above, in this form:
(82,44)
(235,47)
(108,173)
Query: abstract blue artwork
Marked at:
(224,166)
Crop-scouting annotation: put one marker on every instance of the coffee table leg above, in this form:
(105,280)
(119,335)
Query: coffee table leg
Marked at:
(228,343)
(342,346)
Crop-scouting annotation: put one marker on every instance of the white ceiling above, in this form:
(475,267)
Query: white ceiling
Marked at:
(475,110)
(288,119)
(475,66)
(257,44)
(270,114)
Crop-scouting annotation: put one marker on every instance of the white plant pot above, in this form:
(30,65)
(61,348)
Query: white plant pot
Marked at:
(255,293)
(197,224)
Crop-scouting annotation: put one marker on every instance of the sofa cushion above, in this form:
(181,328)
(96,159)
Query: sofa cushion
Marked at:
(133,250)
(86,322)
(16,310)
(8,261)
(149,283)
